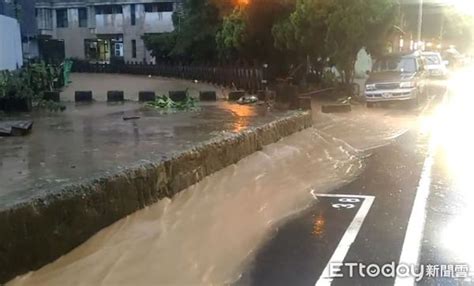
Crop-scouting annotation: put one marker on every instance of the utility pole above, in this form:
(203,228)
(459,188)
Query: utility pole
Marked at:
(420,20)
(441,30)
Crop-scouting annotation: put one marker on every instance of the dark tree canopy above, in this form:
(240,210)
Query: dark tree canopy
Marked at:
(336,29)
(278,32)
(193,39)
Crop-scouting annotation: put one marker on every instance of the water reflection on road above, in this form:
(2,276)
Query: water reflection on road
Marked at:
(454,140)
(207,233)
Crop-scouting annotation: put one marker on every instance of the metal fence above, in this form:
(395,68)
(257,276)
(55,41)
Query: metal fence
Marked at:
(245,78)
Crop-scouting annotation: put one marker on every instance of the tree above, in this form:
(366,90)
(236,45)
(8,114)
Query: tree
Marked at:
(246,33)
(337,29)
(302,35)
(231,37)
(161,45)
(353,25)
(457,28)
(193,39)
(262,15)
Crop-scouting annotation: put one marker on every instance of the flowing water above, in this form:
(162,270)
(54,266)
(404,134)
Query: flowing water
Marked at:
(207,233)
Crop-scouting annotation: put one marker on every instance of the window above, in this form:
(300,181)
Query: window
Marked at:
(108,9)
(132,14)
(45,19)
(134,49)
(159,7)
(400,64)
(82,17)
(433,59)
(61,18)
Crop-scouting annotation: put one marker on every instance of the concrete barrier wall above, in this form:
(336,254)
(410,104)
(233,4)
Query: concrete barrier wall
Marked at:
(38,232)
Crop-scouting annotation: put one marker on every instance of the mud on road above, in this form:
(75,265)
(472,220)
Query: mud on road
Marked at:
(210,233)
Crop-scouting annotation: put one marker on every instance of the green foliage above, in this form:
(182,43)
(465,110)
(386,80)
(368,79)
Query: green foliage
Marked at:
(231,36)
(188,104)
(304,31)
(165,103)
(280,32)
(31,82)
(353,25)
(194,37)
(42,77)
(457,27)
(15,84)
(161,45)
(336,29)
(209,30)
(261,16)
(50,105)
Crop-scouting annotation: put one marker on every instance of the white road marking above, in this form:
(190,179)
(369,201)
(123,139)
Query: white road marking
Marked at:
(416,224)
(316,195)
(411,246)
(349,236)
(410,254)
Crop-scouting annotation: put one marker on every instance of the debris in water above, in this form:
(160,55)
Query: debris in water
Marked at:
(15,128)
(247,99)
(133,117)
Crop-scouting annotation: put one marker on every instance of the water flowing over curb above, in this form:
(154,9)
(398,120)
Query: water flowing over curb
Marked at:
(37,232)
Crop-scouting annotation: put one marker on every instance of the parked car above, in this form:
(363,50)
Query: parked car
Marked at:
(454,58)
(434,64)
(396,77)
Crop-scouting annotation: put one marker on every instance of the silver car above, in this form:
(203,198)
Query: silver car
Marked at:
(396,77)
(434,64)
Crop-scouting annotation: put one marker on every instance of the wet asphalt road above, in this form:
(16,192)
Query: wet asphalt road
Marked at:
(369,220)
(366,222)
(299,251)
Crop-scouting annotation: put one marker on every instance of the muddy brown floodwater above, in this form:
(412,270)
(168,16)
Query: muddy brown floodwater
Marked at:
(206,234)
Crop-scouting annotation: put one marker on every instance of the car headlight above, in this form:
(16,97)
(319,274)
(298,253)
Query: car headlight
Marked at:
(407,84)
(370,87)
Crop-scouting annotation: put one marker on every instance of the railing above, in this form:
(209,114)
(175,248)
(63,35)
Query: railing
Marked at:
(245,78)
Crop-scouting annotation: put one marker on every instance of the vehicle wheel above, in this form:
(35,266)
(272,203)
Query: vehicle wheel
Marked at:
(370,104)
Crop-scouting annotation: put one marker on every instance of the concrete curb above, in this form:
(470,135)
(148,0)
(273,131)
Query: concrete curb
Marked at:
(146,96)
(207,96)
(39,231)
(83,96)
(178,95)
(115,96)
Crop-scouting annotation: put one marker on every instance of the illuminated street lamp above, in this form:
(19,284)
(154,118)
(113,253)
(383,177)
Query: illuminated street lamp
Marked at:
(243,2)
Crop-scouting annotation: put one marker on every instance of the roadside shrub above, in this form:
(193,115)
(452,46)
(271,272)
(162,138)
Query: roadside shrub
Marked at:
(165,103)
(30,83)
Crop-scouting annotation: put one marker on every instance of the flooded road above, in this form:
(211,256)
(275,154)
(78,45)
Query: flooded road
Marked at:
(448,236)
(211,232)
(90,140)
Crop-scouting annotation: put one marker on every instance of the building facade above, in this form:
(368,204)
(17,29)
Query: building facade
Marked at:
(11,56)
(104,30)
(23,13)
